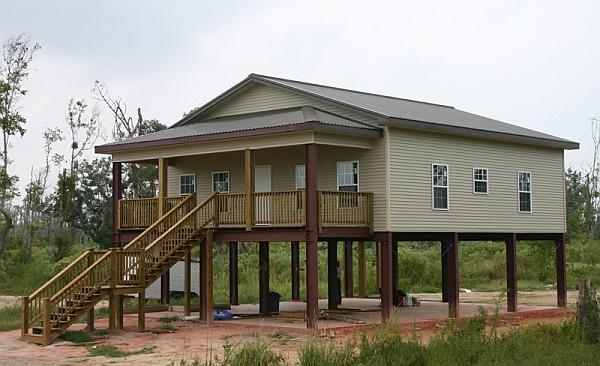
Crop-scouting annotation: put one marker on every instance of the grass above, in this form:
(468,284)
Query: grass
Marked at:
(10,318)
(76,336)
(112,351)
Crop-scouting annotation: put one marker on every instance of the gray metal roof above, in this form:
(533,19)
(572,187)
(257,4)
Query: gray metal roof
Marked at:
(258,122)
(399,111)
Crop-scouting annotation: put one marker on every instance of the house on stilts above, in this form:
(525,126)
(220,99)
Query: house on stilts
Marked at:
(277,160)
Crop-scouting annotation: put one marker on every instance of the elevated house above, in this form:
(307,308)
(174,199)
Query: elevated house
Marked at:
(276,160)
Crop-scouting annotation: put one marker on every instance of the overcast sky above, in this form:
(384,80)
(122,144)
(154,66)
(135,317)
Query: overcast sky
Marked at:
(535,64)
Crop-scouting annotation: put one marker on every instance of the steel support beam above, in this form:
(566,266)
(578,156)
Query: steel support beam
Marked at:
(312,224)
(511,273)
(233,273)
(295,270)
(263,284)
(561,272)
(348,270)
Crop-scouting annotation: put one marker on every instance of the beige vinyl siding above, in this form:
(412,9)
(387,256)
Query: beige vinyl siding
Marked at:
(257,97)
(412,154)
(283,161)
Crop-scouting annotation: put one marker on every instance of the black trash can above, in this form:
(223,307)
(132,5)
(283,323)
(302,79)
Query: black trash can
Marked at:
(274,302)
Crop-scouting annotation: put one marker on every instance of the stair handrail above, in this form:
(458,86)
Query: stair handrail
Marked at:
(159,225)
(93,286)
(190,224)
(34,302)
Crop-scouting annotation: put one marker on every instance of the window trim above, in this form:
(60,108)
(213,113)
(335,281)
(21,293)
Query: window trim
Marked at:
(193,185)
(212,188)
(486,180)
(337,176)
(519,191)
(297,176)
(447,187)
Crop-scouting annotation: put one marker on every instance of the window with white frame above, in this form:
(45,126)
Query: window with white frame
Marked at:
(300,176)
(524,192)
(480,180)
(439,173)
(220,182)
(187,184)
(347,173)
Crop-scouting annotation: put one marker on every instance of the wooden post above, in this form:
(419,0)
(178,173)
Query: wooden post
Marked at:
(511,273)
(46,327)
(348,270)
(162,186)
(394,245)
(187,284)
(90,314)
(206,279)
(24,316)
(120,323)
(142,311)
(249,177)
(117,193)
(362,269)
(378,264)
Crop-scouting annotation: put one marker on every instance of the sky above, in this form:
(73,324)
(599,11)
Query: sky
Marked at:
(535,64)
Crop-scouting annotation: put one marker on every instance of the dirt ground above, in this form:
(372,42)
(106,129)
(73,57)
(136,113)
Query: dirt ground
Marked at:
(192,340)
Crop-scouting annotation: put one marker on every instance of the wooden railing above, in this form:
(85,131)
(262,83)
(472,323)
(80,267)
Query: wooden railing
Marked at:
(232,209)
(143,212)
(339,208)
(33,305)
(158,227)
(283,208)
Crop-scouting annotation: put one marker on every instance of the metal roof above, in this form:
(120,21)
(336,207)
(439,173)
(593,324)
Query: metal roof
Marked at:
(260,123)
(399,111)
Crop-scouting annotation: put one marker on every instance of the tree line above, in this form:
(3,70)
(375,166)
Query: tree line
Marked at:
(77,208)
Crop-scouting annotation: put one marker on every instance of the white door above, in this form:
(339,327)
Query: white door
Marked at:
(262,183)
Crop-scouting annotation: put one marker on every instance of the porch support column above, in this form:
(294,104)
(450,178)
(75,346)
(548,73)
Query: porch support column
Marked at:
(233,274)
(511,273)
(206,279)
(117,194)
(165,281)
(295,270)
(348,271)
(249,178)
(312,223)
(378,265)
(561,272)
(187,284)
(452,277)
(263,265)
(386,276)
(333,288)
(362,269)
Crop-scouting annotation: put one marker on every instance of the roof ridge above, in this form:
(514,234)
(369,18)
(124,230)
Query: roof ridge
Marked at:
(349,90)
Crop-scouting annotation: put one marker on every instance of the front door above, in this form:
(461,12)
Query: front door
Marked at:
(262,183)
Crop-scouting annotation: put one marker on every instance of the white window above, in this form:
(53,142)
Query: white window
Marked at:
(187,184)
(439,173)
(220,182)
(300,176)
(524,192)
(347,172)
(480,180)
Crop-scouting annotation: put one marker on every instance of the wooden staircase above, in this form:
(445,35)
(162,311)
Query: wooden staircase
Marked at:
(74,292)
